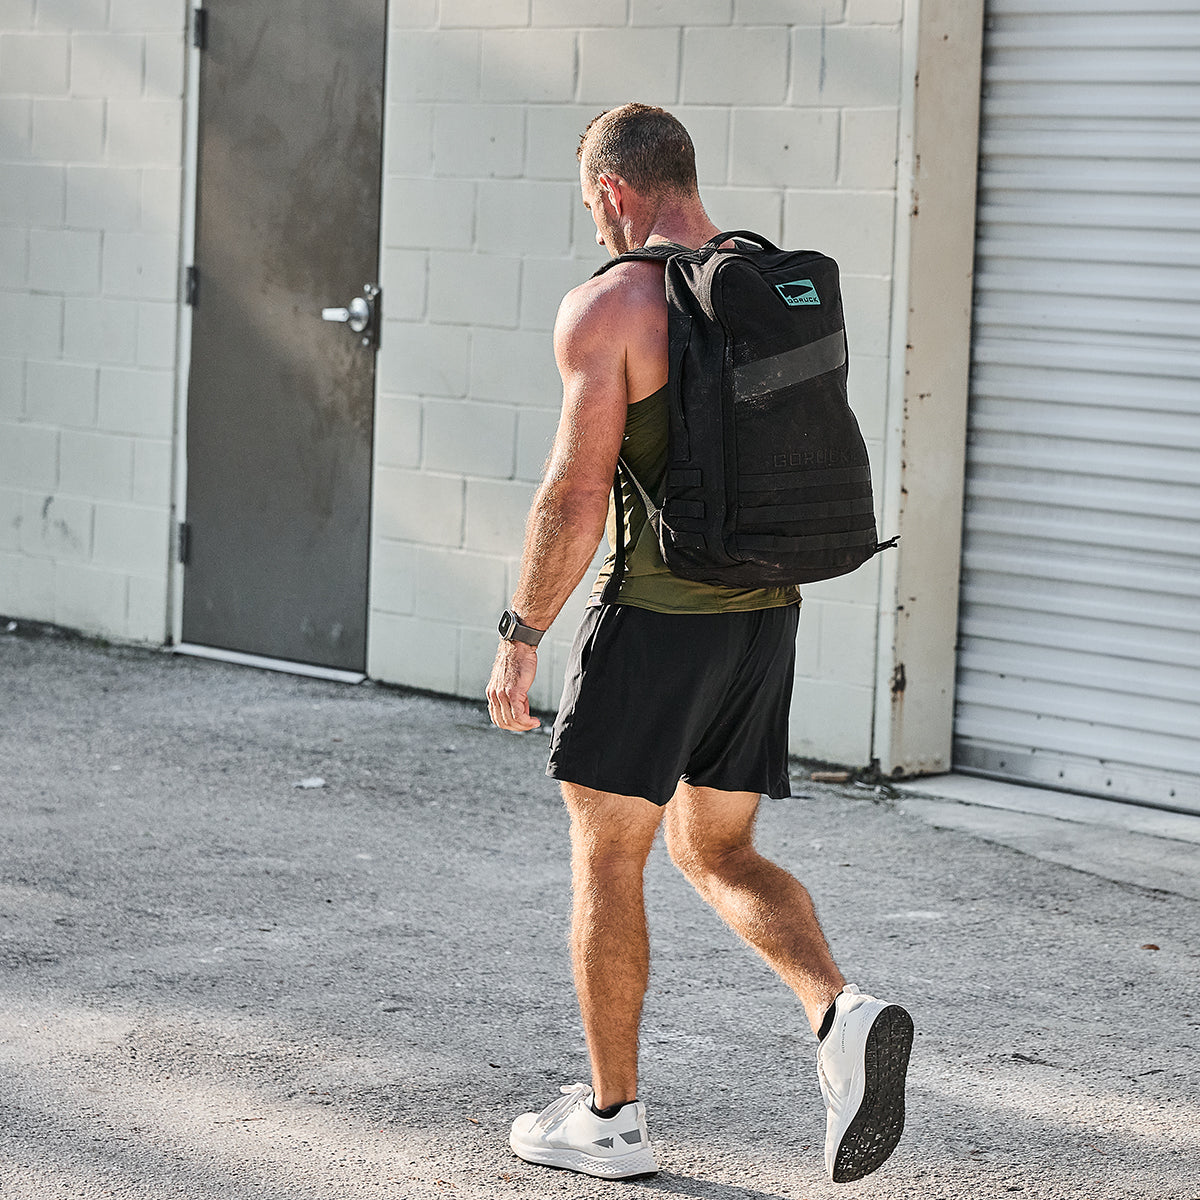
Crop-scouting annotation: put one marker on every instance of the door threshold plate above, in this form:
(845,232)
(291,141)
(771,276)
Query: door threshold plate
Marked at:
(268,664)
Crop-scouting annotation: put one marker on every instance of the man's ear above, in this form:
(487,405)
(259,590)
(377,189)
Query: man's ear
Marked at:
(612,185)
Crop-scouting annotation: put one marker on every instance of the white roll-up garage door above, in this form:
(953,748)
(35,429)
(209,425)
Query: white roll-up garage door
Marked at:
(1079,663)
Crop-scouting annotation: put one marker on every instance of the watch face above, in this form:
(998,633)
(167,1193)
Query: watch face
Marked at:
(507,623)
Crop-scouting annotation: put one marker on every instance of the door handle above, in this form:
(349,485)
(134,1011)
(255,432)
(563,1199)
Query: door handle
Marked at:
(361,314)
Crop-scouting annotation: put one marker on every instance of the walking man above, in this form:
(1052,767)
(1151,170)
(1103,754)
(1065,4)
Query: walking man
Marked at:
(675,707)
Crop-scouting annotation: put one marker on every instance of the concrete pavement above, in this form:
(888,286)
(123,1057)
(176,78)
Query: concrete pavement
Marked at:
(221,978)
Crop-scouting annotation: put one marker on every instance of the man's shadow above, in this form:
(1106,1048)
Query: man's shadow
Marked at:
(686,1185)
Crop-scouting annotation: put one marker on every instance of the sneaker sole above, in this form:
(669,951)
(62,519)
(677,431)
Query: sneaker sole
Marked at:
(875,1130)
(628,1166)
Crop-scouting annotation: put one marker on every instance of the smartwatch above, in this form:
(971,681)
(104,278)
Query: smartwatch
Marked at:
(513,630)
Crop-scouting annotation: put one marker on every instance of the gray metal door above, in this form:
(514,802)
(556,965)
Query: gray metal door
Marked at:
(280,400)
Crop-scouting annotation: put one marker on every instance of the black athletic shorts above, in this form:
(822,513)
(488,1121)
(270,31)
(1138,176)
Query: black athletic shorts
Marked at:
(652,698)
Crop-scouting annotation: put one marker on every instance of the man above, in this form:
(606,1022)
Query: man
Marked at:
(676,701)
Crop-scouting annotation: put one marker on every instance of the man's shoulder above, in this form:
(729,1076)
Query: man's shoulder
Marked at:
(626,290)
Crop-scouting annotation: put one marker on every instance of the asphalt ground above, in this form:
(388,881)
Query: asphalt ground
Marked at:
(215,982)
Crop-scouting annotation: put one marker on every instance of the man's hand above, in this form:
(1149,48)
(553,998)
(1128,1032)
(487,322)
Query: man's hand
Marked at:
(508,691)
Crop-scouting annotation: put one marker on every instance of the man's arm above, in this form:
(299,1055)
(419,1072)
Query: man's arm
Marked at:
(569,509)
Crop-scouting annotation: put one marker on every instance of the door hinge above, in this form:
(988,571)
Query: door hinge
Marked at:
(191,286)
(200,28)
(183,542)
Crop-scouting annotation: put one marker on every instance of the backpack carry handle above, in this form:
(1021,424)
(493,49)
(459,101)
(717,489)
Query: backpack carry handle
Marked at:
(661,251)
(744,234)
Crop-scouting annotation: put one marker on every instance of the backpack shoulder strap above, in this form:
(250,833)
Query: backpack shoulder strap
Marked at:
(612,588)
(659,252)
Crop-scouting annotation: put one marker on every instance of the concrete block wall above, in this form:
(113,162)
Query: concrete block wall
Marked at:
(91,145)
(794,108)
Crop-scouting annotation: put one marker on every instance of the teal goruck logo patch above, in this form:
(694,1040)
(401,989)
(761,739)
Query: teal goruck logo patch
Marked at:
(799,291)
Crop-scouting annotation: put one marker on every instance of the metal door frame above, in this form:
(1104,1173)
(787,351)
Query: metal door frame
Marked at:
(187,256)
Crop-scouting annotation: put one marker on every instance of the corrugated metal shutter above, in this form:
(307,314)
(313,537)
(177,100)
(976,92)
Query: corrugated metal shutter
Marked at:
(1079,660)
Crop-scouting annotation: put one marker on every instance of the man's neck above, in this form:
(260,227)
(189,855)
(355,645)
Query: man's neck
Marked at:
(684,227)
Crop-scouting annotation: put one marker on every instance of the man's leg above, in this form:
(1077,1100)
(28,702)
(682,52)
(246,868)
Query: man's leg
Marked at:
(610,947)
(710,837)
(611,837)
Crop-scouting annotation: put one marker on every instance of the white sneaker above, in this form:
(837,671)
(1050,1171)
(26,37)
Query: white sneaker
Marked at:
(568,1134)
(861,1063)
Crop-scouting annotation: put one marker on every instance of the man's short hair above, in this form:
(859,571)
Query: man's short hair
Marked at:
(647,147)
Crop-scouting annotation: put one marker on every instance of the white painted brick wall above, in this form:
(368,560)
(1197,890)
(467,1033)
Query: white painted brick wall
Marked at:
(11,509)
(867,158)
(30,324)
(874,12)
(136,402)
(785,12)
(846,66)
(68,130)
(745,66)
(64,16)
(646,61)
(35,64)
(460,587)
(680,12)
(156,323)
(793,106)
(422,359)
(574,13)
(65,261)
(62,394)
(774,145)
(476,140)
(398,431)
(416,506)
(474,289)
(758,209)
(528,66)
(58,527)
(103,198)
(95,466)
(32,192)
(432,213)
(12,389)
(517,367)
(476,13)
(91,127)
(531,218)
(14,257)
(475,439)
(535,437)
(855,227)
(413,14)
(496,512)
(831,720)
(107,64)
(394,577)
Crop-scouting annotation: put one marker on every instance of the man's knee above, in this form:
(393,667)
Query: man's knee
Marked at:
(608,865)
(702,857)
(610,835)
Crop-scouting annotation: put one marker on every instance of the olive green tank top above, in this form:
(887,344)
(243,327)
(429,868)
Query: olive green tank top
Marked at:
(648,582)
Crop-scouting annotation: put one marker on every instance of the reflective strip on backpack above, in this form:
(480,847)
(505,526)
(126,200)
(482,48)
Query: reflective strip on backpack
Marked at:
(753,380)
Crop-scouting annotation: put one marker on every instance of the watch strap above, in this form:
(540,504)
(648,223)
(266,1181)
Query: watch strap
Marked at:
(518,631)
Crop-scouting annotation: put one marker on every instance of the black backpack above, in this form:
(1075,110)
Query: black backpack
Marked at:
(767,480)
